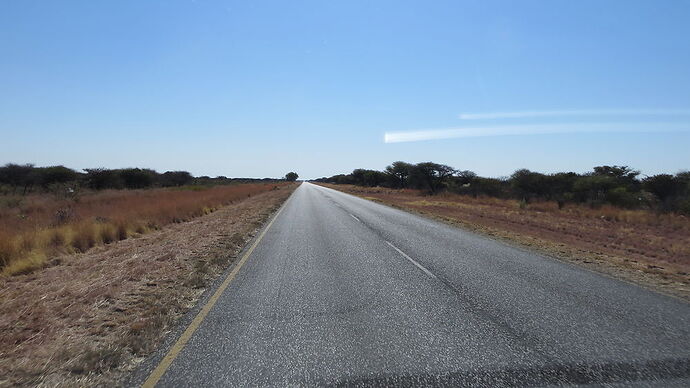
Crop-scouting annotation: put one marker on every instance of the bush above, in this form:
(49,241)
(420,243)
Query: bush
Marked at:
(176,178)
(138,178)
(101,179)
(48,176)
(430,176)
(16,176)
(621,197)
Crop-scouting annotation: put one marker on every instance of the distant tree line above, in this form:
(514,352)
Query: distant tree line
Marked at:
(616,185)
(27,178)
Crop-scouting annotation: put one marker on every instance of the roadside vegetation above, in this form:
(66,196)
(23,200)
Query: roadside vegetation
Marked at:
(618,186)
(22,179)
(46,212)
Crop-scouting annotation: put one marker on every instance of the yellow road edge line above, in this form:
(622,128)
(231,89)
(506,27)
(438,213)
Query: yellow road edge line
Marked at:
(165,363)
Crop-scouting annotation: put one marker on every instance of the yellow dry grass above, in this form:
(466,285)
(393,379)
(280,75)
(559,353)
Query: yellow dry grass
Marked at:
(37,228)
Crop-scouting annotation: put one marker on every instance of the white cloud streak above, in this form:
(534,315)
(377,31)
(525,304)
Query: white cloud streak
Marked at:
(574,113)
(535,129)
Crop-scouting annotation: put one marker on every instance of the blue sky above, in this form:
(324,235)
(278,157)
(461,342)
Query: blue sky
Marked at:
(260,88)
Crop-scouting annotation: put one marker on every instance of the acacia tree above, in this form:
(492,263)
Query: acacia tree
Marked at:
(528,184)
(17,175)
(400,171)
(431,176)
(291,176)
(55,175)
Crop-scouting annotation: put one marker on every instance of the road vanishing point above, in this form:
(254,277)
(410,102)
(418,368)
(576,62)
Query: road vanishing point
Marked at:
(341,291)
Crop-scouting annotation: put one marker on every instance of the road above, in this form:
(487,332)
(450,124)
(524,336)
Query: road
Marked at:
(344,291)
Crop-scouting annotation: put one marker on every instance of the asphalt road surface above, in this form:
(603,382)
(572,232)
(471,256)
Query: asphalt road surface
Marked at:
(344,291)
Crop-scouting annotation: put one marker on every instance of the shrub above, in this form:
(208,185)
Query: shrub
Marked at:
(101,178)
(48,176)
(27,264)
(17,176)
(175,178)
(684,207)
(621,197)
(138,178)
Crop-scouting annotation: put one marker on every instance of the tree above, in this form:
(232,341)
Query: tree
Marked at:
(102,178)
(175,178)
(665,187)
(618,172)
(624,175)
(492,187)
(17,175)
(400,172)
(464,182)
(48,176)
(528,184)
(560,187)
(593,188)
(342,179)
(430,176)
(137,178)
(465,177)
(291,176)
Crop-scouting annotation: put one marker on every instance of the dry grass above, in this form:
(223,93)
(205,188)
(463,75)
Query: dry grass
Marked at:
(37,228)
(88,321)
(650,248)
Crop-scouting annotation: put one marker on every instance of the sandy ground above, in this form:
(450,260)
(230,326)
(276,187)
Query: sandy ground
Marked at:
(653,255)
(90,318)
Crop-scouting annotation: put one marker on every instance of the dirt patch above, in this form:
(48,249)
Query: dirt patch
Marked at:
(649,249)
(90,318)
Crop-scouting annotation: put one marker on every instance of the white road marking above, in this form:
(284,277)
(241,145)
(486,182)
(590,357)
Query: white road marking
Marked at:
(426,271)
(355,217)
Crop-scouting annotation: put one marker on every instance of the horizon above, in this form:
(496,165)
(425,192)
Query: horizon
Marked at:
(245,90)
(382,169)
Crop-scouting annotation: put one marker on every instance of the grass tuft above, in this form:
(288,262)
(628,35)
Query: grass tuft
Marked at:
(84,237)
(121,231)
(108,234)
(57,239)
(8,250)
(30,263)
